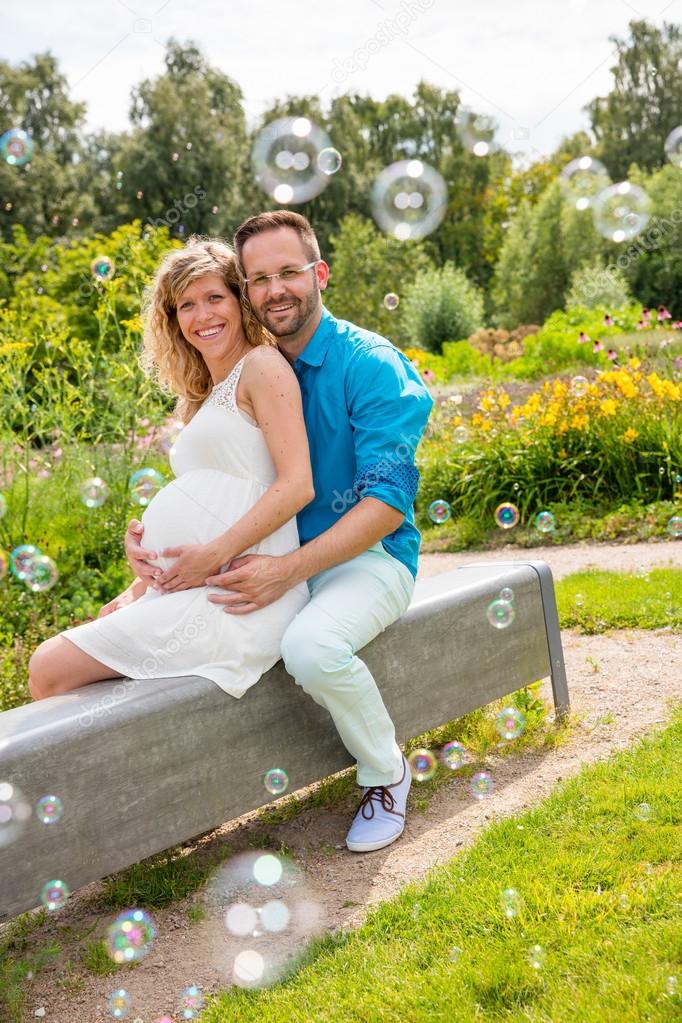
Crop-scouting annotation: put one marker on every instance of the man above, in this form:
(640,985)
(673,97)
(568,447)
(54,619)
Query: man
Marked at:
(365,408)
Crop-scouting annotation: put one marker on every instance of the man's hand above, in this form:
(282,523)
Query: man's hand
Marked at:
(194,563)
(137,557)
(253,581)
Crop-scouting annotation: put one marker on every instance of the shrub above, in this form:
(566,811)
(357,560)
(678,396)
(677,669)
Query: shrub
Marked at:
(594,287)
(441,305)
(501,344)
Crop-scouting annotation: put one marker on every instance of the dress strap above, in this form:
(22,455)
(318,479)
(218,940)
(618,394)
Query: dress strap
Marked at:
(224,394)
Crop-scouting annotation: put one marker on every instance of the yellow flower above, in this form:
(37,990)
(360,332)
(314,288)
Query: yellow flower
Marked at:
(486,425)
(580,422)
(630,435)
(608,407)
(634,362)
(503,399)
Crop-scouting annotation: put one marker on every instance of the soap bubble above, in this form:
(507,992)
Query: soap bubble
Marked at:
(93,492)
(582,180)
(16,147)
(579,386)
(500,613)
(510,901)
(536,956)
(249,967)
(130,936)
(506,515)
(453,755)
(673,147)
(476,131)
(439,512)
(329,160)
(43,574)
(103,268)
(481,784)
(506,593)
(391,301)
(642,812)
(674,526)
(621,211)
(285,159)
(460,435)
(510,723)
(49,809)
(422,764)
(14,813)
(144,484)
(166,436)
(409,199)
(672,986)
(578,600)
(21,560)
(119,1003)
(54,895)
(191,1002)
(276,781)
(454,953)
(3,506)
(545,522)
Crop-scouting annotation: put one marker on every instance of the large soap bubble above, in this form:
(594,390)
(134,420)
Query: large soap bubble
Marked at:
(622,211)
(290,159)
(477,131)
(409,200)
(582,180)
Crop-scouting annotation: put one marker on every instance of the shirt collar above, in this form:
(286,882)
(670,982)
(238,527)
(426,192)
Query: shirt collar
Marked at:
(315,351)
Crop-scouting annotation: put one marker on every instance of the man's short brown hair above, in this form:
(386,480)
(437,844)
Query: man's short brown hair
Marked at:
(272,220)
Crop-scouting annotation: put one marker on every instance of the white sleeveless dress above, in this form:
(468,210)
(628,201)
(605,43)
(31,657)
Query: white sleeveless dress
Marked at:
(222,467)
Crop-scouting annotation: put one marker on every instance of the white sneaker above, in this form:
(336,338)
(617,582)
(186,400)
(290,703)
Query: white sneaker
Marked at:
(380,817)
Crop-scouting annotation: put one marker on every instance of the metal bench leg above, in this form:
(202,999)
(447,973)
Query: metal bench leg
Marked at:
(556,653)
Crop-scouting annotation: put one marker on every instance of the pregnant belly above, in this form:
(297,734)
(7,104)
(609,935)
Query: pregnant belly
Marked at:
(196,508)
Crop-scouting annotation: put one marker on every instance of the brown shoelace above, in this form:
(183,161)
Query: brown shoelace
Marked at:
(384,796)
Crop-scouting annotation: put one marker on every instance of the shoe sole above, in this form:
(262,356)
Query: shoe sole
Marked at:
(372,846)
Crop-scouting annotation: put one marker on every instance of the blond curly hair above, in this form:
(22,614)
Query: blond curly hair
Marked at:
(166,356)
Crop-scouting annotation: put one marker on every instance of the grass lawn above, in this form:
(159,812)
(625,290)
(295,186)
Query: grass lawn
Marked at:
(594,601)
(597,870)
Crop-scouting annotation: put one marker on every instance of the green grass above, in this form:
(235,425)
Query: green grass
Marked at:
(18,963)
(600,891)
(594,601)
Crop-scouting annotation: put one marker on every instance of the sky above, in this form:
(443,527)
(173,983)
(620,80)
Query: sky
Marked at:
(533,64)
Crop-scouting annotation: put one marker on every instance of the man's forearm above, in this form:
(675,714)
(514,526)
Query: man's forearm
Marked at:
(358,530)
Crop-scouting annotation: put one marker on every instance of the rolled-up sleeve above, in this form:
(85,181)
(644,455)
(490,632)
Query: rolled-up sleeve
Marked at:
(389,407)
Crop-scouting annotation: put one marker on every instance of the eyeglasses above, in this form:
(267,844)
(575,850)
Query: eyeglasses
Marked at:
(284,275)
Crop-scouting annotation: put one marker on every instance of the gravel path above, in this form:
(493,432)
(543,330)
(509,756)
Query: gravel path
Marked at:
(621,685)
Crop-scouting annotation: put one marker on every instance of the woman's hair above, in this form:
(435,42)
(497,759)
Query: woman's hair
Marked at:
(166,356)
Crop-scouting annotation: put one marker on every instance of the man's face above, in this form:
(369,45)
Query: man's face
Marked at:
(284,307)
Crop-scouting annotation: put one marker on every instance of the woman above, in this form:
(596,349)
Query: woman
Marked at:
(242,472)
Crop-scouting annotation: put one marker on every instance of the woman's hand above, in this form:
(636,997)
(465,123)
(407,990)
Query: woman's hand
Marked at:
(122,600)
(195,563)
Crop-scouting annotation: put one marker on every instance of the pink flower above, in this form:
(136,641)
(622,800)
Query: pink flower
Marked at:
(608,320)
(646,314)
(43,474)
(677,325)
(663,313)
(583,339)
(428,375)
(641,325)
(612,354)
(57,452)
(597,347)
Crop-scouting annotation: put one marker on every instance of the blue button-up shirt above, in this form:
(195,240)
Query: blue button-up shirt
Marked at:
(365,408)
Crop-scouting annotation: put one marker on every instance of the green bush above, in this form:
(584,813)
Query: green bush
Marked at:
(595,287)
(441,305)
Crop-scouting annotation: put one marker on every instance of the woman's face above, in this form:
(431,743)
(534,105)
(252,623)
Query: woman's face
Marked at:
(209,316)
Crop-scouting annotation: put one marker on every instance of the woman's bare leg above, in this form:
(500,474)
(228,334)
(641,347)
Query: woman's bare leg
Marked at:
(58,666)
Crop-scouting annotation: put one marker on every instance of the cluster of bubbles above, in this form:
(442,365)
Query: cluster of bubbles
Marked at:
(130,936)
(191,1002)
(16,147)
(293,159)
(35,570)
(500,611)
(276,781)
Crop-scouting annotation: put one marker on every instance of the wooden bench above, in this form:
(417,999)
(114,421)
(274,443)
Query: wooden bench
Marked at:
(142,766)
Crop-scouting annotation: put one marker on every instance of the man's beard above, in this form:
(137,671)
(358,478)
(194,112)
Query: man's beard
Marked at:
(304,309)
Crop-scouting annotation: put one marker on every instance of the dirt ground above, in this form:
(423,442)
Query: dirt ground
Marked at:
(621,685)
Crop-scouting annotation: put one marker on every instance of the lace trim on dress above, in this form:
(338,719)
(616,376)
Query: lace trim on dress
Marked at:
(224,394)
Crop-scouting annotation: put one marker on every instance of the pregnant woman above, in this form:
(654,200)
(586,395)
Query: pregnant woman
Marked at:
(242,472)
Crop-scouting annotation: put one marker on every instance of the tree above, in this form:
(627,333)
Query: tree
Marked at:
(49,192)
(632,123)
(442,305)
(183,165)
(358,286)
